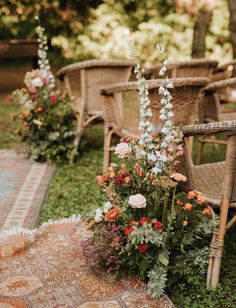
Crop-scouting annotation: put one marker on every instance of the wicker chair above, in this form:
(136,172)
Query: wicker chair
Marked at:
(93,74)
(217,181)
(125,122)
(212,110)
(192,68)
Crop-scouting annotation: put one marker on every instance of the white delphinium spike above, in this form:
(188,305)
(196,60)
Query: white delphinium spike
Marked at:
(169,134)
(43,61)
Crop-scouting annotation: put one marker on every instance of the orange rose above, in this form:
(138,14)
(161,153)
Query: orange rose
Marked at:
(178,202)
(101,180)
(140,172)
(207,212)
(192,195)
(127,179)
(201,200)
(188,207)
(136,166)
(112,214)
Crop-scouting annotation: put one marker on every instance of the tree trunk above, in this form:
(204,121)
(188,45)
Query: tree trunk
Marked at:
(200,32)
(232,24)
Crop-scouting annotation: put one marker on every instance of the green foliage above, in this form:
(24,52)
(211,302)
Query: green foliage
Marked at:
(47,125)
(101,28)
(157,280)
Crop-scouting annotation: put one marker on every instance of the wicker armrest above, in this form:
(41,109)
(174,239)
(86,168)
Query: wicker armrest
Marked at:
(225,66)
(152,84)
(217,128)
(220,84)
(90,64)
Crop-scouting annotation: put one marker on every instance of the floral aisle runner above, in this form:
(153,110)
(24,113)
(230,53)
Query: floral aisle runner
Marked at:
(46,268)
(23,186)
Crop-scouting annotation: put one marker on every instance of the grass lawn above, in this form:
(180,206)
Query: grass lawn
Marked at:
(74,190)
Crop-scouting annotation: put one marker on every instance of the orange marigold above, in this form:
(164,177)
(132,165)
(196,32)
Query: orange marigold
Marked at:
(113,214)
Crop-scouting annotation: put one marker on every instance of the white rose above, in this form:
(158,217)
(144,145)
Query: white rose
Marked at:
(37,82)
(107,207)
(98,215)
(137,201)
(123,150)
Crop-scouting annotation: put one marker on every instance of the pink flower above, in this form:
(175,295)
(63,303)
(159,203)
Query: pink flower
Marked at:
(123,150)
(37,82)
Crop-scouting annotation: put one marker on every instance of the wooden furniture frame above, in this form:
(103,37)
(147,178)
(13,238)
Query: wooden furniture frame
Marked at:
(186,94)
(93,75)
(217,181)
(211,111)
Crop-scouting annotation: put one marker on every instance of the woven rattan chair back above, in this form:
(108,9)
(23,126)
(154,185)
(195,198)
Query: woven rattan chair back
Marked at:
(92,74)
(92,79)
(186,94)
(191,68)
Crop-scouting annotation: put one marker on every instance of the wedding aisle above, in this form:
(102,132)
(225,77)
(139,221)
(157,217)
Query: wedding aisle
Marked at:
(23,186)
(46,268)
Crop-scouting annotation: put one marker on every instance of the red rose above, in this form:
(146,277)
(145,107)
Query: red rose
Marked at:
(128,230)
(143,220)
(53,98)
(158,225)
(122,178)
(142,248)
(133,223)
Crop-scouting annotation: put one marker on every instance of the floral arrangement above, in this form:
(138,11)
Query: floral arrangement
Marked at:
(149,227)
(47,121)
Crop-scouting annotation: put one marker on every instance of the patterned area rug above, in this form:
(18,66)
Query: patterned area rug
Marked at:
(46,268)
(23,186)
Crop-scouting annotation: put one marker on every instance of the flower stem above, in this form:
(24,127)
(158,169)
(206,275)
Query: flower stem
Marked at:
(172,212)
(164,212)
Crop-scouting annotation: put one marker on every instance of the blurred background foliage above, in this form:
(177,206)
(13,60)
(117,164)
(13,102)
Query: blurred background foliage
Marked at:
(79,29)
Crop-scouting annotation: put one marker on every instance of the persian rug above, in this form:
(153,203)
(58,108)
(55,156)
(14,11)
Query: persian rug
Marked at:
(23,186)
(45,268)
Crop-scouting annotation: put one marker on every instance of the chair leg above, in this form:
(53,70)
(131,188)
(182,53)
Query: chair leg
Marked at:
(75,150)
(200,145)
(217,246)
(227,187)
(107,148)
(80,121)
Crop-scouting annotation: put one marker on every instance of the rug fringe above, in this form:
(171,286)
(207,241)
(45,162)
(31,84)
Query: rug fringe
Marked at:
(5,234)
